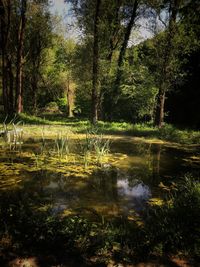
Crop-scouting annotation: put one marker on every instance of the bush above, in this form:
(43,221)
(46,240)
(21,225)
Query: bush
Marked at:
(51,107)
(62,104)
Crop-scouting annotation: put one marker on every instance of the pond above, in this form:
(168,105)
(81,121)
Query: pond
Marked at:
(59,174)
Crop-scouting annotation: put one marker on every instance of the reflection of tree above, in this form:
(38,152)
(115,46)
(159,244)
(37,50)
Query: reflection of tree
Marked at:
(105,183)
(156,161)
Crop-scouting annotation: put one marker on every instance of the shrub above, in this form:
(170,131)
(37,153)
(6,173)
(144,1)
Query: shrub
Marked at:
(52,107)
(62,104)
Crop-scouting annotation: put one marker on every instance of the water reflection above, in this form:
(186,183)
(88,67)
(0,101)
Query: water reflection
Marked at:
(137,195)
(123,186)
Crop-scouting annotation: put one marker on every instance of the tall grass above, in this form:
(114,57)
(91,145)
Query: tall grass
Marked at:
(95,145)
(12,133)
(61,145)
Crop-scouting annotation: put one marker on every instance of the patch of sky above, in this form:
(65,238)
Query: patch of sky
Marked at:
(65,21)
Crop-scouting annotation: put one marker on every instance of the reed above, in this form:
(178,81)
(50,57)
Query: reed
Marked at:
(62,146)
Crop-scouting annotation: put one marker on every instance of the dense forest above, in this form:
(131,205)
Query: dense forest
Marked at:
(100,74)
(99,133)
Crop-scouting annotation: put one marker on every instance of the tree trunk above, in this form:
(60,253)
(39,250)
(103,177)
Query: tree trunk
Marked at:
(4,81)
(95,82)
(19,71)
(114,38)
(4,40)
(70,98)
(121,57)
(11,87)
(34,92)
(160,108)
(160,111)
(124,46)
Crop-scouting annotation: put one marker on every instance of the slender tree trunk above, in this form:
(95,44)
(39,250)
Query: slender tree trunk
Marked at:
(160,111)
(95,81)
(70,98)
(124,46)
(121,57)
(11,87)
(4,81)
(34,92)
(114,38)
(160,108)
(4,40)
(19,71)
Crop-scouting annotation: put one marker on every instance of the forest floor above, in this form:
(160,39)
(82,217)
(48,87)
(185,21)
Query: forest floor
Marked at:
(52,124)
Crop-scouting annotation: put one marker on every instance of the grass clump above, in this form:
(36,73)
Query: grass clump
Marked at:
(95,145)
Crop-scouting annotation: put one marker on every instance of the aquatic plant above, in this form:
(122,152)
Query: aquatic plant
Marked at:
(61,145)
(11,133)
(43,141)
(101,147)
(96,143)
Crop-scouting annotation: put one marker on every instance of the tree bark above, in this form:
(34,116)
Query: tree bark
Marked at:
(124,45)
(95,81)
(114,38)
(11,87)
(20,47)
(121,57)
(70,98)
(160,111)
(4,41)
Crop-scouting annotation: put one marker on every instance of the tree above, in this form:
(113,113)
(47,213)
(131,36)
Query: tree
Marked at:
(124,45)
(38,39)
(165,50)
(65,62)
(7,75)
(95,80)
(20,50)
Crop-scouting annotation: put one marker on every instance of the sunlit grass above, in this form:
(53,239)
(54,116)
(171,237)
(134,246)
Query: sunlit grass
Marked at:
(54,124)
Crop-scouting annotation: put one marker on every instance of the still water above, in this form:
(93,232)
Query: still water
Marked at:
(133,173)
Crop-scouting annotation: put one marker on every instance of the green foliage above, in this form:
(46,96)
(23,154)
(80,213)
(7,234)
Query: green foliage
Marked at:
(138,89)
(168,132)
(51,107)
(171,133)
(62,104)
(175,225)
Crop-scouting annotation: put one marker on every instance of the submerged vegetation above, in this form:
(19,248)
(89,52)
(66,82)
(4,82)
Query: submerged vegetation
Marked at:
(80,162)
